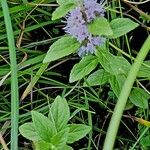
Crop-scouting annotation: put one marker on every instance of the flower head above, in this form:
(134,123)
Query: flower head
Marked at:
(76,25)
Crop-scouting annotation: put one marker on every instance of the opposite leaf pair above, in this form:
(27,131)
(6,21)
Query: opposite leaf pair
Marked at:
(53,132)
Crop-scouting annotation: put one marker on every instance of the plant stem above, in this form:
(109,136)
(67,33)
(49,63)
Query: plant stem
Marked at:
(118,111)
(142,134)
(14,80)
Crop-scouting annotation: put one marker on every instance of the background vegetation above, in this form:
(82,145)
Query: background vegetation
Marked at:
(91,99)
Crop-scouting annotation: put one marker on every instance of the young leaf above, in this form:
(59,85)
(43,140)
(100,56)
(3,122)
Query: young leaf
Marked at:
(42,145)
(77,131)
(28,131)
(121,26)
(100,26)
(60,139)
(144,70)
(139,98)
(66,147)
(116,83)
(145,141)
(44,127)
(62,11)
(83,68)
(61,48)
(60,112)
(99,77)
(113,64)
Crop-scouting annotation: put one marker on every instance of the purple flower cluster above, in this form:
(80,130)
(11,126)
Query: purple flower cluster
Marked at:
(76,25)
(77,21)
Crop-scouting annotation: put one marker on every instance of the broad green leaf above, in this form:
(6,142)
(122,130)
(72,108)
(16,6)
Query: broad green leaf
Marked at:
(28,131)
(77,131)
(64,2)
(61,48)
(60,113)
(62,11)
(145,141)
(113,64)
(121,26)
(100,26)
(44,127)
(99,77)
(139,98)
(116,83)
(42,145)
(83,68)
(129,105)
(60,139)
(144,70)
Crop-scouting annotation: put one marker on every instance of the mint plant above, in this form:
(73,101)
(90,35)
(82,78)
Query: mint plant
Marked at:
(106,78)
(88,33)
(87,26)
(53,132)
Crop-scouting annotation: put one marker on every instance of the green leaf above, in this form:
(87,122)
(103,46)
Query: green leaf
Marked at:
(139,98)
(60,139)
(28,131)
(116,83)
(145,141)
(44,127)
(83,68)
(66,147)
(64,2)
(121,26)
(60,112)
(100,26)
(113,64)
(77,131)
(62,11)
(99,77)
(144,71)
(129,105)
(61,48)
(42,145)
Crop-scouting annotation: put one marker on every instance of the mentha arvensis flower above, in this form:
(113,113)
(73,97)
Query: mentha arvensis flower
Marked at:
(76,25)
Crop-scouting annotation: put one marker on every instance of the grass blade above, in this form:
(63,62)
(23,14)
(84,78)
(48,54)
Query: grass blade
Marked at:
(118,111)
(34,80)
(14,80)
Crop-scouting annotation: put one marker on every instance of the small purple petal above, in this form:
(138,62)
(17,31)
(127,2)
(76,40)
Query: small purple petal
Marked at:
(85,50)
(82,51)
(97,41)
(92,9)
(90,48)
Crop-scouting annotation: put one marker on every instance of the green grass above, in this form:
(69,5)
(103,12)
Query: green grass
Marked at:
(14,79)
(123,97)
(39,83)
